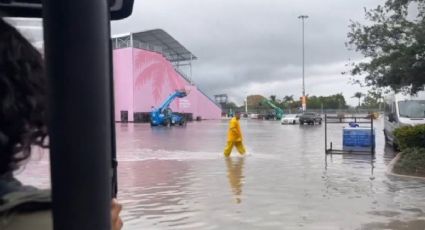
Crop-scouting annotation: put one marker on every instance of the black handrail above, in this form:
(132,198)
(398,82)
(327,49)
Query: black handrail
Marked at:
(76,34)
(81,117)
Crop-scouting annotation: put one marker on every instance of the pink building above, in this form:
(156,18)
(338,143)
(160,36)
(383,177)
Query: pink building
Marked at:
(146,71)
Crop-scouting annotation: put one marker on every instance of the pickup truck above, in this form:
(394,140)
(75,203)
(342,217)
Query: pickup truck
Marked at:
(310,118)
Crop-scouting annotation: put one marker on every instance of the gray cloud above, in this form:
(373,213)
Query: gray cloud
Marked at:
(253,46)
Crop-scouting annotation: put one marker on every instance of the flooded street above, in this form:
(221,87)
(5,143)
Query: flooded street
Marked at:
(177,178)
(104,82)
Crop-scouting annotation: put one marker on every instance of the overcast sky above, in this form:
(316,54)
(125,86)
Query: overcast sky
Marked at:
(254,46)
(249,47)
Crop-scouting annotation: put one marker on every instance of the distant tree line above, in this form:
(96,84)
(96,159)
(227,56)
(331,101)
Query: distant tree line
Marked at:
(288,102)
(371,100)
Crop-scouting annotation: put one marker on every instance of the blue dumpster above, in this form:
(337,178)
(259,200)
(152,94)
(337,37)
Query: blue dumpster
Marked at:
(358,139)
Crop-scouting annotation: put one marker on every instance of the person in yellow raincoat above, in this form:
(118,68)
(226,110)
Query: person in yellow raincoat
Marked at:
(234,136)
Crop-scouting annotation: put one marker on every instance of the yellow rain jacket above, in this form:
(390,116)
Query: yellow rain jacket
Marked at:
(235,133)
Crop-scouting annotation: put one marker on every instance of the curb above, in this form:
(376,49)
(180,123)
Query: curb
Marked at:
(391,167)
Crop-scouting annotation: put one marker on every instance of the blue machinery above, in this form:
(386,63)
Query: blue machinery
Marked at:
(163,114)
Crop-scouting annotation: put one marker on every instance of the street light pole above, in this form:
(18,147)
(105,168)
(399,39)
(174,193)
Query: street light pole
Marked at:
(246,106)
(303,17)
(246,103)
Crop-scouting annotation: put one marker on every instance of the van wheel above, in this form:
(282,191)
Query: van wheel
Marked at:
(386,137)
(395,146)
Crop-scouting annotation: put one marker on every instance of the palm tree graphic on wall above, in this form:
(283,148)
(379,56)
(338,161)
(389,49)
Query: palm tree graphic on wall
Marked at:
(157,70)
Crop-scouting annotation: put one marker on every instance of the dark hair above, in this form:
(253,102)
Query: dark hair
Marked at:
(22,98)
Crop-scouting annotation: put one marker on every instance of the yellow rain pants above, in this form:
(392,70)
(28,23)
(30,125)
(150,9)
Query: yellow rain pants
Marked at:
(229,147)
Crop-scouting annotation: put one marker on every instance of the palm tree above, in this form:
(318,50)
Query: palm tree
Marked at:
(359,95)
(288,98)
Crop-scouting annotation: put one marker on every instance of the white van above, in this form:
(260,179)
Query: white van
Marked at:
(402,110)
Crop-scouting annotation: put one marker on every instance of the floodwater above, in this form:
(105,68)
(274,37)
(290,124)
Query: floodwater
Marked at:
(177,178)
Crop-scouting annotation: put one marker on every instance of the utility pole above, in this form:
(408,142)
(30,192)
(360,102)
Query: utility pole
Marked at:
(246,103)
(246,106)
(304,104)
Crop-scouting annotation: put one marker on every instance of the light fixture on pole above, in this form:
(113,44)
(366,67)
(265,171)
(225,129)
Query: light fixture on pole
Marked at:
(304,104)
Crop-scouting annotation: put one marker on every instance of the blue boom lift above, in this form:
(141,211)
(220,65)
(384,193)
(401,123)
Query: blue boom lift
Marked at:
(163,114)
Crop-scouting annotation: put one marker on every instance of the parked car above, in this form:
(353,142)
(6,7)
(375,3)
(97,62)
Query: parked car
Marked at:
(310,118)
(269,116)
(253,116)
(290,119)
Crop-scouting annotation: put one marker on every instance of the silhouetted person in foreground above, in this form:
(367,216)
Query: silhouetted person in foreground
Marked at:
(23,108)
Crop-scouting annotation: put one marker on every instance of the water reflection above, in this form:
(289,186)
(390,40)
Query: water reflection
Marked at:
(353,160)
(154,190)
(360,161)
(235,176)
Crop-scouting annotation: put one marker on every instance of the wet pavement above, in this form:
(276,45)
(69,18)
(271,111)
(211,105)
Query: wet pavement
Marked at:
(177,178)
